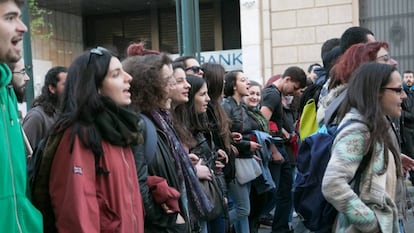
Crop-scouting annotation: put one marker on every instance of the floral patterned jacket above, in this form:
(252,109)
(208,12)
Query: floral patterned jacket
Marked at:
(374,210)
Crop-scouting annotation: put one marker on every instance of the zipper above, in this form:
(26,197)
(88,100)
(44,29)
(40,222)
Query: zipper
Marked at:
(134,218)
(11,167)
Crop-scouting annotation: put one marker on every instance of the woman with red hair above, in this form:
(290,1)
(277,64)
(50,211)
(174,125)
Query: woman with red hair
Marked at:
(357,55)
(354,57)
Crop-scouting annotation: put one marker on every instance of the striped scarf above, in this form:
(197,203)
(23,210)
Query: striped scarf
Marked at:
(259,118)
(198,202)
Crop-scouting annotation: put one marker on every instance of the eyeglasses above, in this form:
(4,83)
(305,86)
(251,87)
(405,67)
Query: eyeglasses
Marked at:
(195,69)
(22,72)
(397,90)
(384,58)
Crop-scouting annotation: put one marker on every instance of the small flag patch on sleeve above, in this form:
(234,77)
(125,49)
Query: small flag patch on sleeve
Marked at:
(77,170)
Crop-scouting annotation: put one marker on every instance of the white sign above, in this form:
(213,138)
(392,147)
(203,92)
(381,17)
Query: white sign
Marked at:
(229,59)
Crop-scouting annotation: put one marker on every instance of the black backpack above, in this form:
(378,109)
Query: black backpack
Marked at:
(38,168)
(311,92)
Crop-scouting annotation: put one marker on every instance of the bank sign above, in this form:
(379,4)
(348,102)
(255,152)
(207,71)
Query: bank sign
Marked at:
(229,59)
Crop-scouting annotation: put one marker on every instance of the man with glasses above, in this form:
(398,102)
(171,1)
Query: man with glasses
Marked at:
(191,66)
(19,79)
(17,213)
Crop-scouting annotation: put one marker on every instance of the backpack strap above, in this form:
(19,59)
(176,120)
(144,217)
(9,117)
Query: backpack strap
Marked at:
(29,149)
(350,121)
(332,109)
(40,186)
(150,138)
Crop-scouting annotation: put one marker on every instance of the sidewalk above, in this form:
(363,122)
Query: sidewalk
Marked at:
(299,228)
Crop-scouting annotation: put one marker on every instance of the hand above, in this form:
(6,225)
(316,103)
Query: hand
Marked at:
(257,158)
(222,155)
(237,137)
(254,146)
(277,157)
(285,134)
(194,158)
(166,209)
(203,172)
(219,165)
(235,151)
(407,163)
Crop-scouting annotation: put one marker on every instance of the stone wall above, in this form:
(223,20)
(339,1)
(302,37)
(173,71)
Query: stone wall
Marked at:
(281,33)
(299,27)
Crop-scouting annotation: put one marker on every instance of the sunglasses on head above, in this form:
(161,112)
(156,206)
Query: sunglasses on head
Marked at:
(97,51)
(195,69)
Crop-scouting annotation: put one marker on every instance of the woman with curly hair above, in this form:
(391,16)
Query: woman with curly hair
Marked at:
(151,86)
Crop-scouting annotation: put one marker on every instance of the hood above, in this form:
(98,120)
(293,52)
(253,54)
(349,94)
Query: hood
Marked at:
(321,75)
(5,75)
(326,100)
(7,96)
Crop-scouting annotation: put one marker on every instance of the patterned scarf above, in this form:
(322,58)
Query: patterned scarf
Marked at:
(198,202)
(260,119)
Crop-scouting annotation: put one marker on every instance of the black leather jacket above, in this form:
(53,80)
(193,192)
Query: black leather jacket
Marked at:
(240,123)
(162,165)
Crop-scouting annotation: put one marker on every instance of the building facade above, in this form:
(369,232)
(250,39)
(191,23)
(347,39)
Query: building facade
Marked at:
(264,36)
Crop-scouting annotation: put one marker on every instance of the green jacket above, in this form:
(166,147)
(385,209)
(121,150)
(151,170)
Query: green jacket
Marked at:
(17,213)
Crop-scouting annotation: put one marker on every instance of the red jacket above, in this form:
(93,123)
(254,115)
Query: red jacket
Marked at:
(86,202)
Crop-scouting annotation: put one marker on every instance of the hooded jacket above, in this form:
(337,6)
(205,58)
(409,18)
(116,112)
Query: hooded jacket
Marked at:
(17,214)
(326,100)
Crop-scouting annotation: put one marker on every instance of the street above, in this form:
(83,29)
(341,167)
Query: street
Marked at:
(299,228)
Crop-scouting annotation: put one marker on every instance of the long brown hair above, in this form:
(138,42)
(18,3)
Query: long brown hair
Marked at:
(214,76)
(365,89)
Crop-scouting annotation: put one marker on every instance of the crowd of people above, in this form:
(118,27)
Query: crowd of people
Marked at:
(151,144)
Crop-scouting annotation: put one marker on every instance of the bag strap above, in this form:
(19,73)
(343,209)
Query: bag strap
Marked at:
(150,138)
(331,110)
(350,121)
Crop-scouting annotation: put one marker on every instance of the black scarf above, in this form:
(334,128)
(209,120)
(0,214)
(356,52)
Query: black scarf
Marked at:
(118,125)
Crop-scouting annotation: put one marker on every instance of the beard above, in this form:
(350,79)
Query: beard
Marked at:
(20,94)
(11,56)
